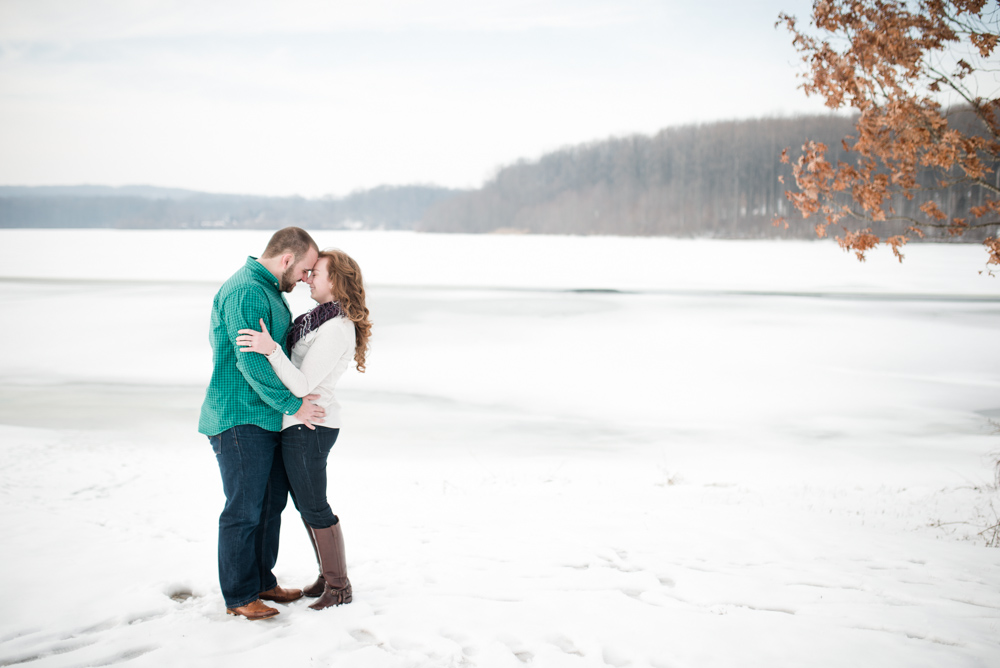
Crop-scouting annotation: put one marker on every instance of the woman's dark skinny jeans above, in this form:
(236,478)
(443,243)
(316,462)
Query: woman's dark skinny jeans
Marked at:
(304,452)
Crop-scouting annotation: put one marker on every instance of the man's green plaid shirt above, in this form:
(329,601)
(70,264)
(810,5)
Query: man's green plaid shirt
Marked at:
(244,388)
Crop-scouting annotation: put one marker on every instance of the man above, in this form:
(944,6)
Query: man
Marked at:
(242,418)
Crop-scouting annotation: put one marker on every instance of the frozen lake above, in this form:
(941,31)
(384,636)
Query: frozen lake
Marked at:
(566,452)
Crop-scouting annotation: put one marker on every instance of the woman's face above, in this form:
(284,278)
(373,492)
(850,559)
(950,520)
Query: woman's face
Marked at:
(320,286)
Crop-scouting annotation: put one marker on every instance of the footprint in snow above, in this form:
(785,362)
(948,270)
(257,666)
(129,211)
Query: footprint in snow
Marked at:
(566,645)
(364,637)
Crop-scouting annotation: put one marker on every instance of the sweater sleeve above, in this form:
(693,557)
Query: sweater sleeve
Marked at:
(327,348)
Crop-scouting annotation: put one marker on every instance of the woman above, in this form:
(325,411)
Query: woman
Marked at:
(322,343)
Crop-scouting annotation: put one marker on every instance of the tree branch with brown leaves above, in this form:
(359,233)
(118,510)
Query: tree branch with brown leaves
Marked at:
(887,61)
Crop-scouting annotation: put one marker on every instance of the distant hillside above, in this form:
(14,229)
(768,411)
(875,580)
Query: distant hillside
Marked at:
(712,180)
(149,207)
(149,192)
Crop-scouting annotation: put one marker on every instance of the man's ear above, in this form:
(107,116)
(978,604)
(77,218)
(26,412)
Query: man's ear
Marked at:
(287,260)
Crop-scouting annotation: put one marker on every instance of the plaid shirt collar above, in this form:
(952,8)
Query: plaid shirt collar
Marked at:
(262,273)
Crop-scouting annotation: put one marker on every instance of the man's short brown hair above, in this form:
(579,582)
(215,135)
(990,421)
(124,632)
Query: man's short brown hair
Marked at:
(292,240)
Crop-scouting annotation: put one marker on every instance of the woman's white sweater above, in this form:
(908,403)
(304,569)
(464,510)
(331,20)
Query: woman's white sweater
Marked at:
(318,361)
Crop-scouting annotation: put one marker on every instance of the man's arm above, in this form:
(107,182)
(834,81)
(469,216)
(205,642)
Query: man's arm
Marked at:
(242,310)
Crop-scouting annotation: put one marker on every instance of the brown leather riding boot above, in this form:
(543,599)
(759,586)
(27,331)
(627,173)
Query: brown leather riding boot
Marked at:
(253,610)
(333,566)
(316,588)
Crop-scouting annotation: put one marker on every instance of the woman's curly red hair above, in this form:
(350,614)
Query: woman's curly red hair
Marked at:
(349,292)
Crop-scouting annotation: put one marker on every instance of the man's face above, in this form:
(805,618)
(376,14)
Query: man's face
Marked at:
(299,271)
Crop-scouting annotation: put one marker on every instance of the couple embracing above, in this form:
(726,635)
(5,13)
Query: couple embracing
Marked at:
(271,416)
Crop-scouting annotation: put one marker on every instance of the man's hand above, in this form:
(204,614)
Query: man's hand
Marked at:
(309,412)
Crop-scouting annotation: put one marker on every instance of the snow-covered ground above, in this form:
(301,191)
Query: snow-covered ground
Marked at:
(751,454)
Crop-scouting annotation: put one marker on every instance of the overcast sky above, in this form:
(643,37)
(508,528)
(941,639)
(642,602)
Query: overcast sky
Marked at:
(315,97)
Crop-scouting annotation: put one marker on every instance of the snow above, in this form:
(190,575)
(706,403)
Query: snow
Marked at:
(754,454)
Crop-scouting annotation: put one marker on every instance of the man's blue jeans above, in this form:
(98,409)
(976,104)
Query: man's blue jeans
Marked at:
(304,452)
(256,488)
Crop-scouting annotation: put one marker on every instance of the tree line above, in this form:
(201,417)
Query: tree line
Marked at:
(722,179)
(145,207)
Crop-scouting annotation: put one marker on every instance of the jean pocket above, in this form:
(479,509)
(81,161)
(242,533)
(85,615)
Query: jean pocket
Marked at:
(216,442)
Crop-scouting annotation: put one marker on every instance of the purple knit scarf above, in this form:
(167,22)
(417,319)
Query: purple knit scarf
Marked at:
(307,322)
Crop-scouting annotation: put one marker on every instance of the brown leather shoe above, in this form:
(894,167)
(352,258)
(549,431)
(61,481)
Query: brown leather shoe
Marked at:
(279,595)
(252,611)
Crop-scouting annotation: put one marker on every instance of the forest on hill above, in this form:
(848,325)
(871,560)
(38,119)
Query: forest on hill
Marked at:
(722,179)
(711,180)
(147,207)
